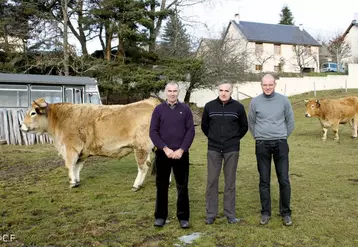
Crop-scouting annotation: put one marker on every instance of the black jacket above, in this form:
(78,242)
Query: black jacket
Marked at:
(224,125)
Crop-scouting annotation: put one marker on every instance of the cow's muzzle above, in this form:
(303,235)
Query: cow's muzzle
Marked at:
(307,115)
(24,128)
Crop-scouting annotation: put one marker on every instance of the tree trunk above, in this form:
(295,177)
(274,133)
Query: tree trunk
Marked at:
(120,49)
(109,36)
(188,93)
(152,36)
(65,37)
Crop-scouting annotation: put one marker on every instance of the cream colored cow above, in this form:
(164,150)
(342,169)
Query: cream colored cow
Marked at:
(332,112)
(83,130)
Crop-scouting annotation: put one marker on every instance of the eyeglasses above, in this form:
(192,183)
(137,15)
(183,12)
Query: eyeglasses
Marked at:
(267,85)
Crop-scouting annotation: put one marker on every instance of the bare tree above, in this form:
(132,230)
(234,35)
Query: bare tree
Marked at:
(340,49)
(263,58)
(355,59)
(303,57)
(221,59)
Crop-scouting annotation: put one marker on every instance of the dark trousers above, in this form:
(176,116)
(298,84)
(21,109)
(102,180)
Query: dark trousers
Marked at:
(181,174)
(215,163)
(278,150)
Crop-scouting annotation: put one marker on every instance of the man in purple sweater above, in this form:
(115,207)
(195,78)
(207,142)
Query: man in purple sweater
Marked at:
(172,132)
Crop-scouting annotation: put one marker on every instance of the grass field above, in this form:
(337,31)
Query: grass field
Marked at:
(39,209)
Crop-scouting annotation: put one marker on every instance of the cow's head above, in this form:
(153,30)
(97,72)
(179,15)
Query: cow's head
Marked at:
(312,107)
(35,119)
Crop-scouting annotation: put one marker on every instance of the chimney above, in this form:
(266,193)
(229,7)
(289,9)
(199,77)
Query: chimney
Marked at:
(237,18)
(300,27)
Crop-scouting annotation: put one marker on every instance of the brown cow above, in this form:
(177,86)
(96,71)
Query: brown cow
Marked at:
(332,112)
(83,130)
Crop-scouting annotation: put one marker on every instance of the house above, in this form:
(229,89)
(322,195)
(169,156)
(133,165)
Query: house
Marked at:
(274,47)
(351,38)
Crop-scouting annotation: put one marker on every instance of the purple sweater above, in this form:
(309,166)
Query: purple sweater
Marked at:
(173,128)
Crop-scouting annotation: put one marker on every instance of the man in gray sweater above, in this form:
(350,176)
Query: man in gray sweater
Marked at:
(271,121)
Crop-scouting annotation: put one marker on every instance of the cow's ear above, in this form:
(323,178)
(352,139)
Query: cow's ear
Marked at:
(42,106)
(306,101)
(41,111)
(41,103)
(317,102)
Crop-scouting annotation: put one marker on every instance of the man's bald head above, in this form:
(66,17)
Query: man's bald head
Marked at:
(268,84)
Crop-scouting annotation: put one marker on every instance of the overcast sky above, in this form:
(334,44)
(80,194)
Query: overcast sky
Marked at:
(324,18)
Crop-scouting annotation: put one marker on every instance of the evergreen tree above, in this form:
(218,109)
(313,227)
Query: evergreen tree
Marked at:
(176,41)
(286,16)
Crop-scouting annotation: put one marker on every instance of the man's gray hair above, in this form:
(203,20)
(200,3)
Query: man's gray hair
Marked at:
(172,83)
(221,82)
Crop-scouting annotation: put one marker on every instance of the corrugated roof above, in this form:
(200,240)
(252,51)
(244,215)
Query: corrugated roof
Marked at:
(46,79)
(275,33)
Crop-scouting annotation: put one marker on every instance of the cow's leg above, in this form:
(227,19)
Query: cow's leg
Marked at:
(78,167)
(143,161)
(335,132)
(71,159)
(354,128)
(324,133)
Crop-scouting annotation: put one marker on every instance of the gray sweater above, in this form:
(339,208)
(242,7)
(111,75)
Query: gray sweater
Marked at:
(270,117)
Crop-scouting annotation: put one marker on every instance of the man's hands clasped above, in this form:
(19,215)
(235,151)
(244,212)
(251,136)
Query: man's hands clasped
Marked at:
(177,154)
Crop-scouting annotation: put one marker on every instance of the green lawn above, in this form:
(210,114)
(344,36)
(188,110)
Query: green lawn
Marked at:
(39,209)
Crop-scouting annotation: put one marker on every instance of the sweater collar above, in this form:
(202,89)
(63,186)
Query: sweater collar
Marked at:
(229,101)
(269,96)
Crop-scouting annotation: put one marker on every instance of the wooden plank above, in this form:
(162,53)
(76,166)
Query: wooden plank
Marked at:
(16,128)
(6,127)
(24,135)
(11,127)
(2,129)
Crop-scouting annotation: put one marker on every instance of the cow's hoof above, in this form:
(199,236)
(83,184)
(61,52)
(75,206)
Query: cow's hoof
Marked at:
(74,185)
(354,137)
(135,189)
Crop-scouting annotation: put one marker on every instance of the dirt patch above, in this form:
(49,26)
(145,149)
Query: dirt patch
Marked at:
(152,241)
(296,175)
(354,180)
(10,171)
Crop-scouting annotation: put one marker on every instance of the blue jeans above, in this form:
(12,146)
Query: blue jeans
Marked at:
(278,150)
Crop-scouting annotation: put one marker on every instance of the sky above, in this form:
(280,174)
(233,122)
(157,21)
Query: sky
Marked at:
(320,18)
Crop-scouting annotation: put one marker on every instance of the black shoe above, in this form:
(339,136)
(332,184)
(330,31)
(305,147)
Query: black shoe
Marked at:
(264,219)
(184,223)
(232,220)
(209,221)
(159,222)
(287,221)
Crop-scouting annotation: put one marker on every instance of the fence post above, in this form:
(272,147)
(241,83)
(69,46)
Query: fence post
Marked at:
(345,84)
(314,88)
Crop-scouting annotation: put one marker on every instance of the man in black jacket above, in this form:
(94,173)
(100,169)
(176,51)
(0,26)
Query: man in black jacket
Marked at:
(224,122)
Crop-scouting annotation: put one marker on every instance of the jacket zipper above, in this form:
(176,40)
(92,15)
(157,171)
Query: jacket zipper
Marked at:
(222,129)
